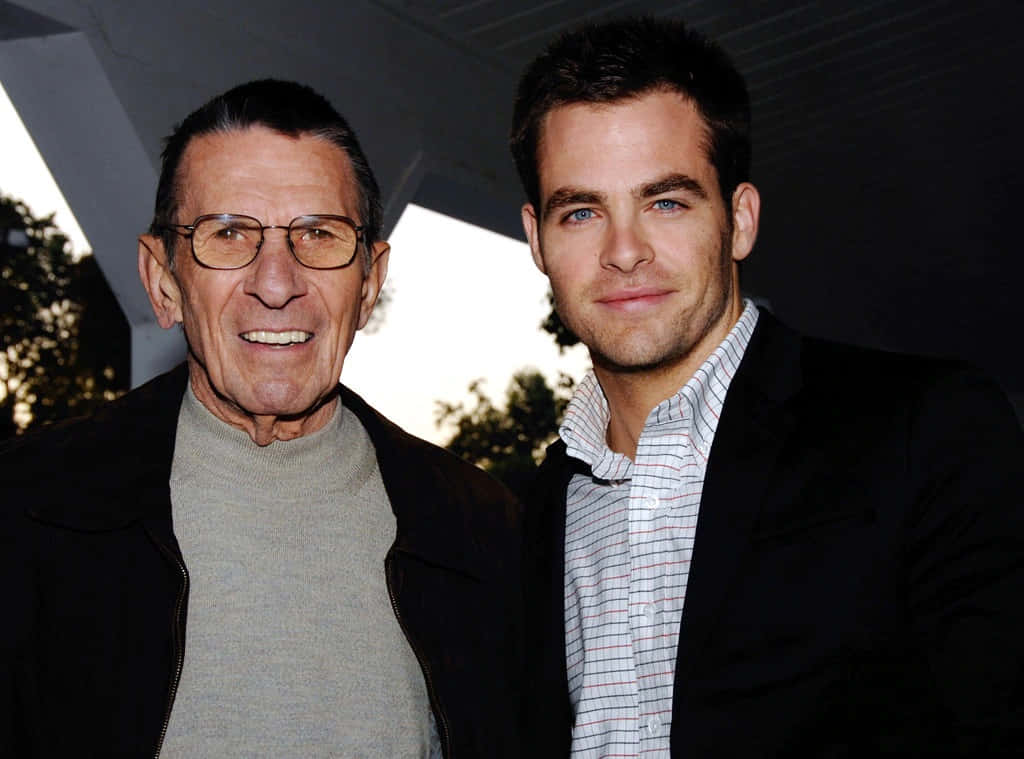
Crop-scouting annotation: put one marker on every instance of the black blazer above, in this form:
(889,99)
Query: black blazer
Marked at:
(857,582)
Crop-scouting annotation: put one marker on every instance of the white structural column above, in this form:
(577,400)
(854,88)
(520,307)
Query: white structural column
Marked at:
(76,120)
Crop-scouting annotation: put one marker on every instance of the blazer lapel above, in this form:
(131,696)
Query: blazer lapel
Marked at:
(751,435)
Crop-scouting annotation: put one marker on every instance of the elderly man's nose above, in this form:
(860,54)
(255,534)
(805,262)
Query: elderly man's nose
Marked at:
(275,277)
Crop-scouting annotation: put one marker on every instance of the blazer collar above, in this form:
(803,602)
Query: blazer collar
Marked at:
(756,422)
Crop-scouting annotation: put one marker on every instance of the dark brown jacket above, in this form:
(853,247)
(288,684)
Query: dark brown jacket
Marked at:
(95,609)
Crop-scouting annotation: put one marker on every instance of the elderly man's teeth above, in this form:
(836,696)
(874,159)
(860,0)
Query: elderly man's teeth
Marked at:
(276,338)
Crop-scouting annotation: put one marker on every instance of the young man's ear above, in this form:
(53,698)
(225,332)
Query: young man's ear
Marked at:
(159,281)
(373,282)
(531,226)
(746,211)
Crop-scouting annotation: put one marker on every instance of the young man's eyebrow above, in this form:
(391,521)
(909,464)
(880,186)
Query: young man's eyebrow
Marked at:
(568,196)
(671,183)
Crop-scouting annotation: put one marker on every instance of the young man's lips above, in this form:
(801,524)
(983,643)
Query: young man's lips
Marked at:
(276,337)
(633,298)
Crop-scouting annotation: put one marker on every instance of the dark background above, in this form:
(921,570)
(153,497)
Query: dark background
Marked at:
(886,142)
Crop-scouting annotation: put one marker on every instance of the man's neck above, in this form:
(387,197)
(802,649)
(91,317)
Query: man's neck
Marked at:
(632,395)
(263,429)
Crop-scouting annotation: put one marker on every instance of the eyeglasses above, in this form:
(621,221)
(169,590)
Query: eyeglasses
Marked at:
(231,241)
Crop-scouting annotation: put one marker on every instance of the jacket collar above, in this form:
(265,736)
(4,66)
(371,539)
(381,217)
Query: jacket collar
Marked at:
(116,469)
(756,423)
(115,465)
(432,492)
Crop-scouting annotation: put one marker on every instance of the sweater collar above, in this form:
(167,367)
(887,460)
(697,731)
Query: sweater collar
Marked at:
(134,438)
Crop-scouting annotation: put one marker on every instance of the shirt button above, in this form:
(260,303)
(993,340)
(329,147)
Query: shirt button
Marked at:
(651,613)
(651,502)
(654,724)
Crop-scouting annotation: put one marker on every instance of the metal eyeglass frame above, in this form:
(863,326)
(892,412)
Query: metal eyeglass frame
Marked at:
(191,228)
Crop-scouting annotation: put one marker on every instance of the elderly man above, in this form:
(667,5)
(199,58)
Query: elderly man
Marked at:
(242,558)
(751,543)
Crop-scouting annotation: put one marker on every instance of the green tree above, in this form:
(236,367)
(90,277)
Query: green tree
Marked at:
(508,441)
(554,326)
(64,339)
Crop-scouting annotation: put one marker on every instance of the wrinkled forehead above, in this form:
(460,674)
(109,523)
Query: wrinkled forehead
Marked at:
(258,161)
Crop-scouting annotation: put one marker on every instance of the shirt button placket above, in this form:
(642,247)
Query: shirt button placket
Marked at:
(654,725)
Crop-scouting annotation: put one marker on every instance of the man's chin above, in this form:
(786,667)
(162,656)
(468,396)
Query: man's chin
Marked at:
(281,399)
(637,362)
(285,401)
(635,353)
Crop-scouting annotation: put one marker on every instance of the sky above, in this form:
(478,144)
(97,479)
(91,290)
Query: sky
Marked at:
(465,303)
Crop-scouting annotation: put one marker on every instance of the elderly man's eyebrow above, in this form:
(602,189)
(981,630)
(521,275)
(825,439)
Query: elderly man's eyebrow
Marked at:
(570,196)
(672,183)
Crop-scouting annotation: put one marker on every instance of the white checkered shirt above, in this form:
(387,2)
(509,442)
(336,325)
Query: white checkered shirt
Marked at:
(629,532)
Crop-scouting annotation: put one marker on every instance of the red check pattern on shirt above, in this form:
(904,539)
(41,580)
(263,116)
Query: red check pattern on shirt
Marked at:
(629,530)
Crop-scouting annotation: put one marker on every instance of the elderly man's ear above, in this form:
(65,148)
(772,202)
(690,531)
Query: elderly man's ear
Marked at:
(373,282)
(159,281)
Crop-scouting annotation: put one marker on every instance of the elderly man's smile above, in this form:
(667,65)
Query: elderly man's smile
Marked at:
(268,337)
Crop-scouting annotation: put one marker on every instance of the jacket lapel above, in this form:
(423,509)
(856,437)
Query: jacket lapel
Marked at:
(752,432)
(422,482)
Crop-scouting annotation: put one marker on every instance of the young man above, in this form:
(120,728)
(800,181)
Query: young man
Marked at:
(750,543)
